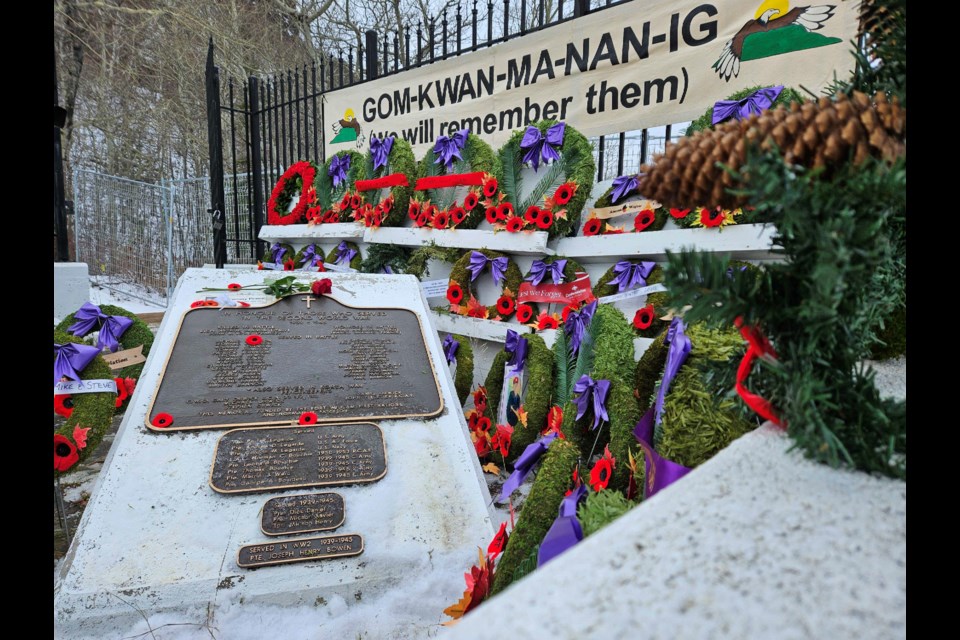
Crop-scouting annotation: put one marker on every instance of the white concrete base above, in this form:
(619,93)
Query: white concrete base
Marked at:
(71,288)
(156,538)
(755,543)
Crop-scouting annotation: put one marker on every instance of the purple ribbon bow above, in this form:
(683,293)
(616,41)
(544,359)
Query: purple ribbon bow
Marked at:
(277,252)
(90,317)
(387,269)
(597,390)
(676,355)
(344,253)
(622,186)
(659,472)
(450,347)
(71,358)
(540,269)
(631,274)
(757,102)
(524,465)
(576,324)
(516,346)
(339,165)
(478,261)
(539,147)
(310,256)
(730,271)
(380,150)
(448,147)
(565,530)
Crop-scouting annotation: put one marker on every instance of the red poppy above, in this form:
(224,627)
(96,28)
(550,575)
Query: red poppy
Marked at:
(242,303)
(515,224)
(307,418)
(470,201)
(504,210)
(505,305)
(162,420)
(367,220)
(492,215)
(254,340)
(322,286)
(423,219)
(457,215)
(454,293)
(64,453)
(708,221)
(567,309)
(592,227)
(331,216)
(483,424)
(414,210)
(377,218)
(441,220)
(472,418)
(312,214)
(345,201)
(643,318)
(524,313)
(211,303)
(63,405)
(499,542)
(501,439)
(490,187)
(532,214)
(198,303)
(482,445)
(355,201)
(576,480)
(289,265)
(546,322)
(602,471)
(320,267)
(643,220)
(233,286)
(679,213)
(545,221)
(259,266)
(387,204)
(480,398)
(121,392)
(564,193)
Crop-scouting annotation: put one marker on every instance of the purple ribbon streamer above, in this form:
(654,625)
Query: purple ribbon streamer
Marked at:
(730,271)
(565,530)
(516,346)
(539,147)
(659,472)
(277,252)
(387,269)
(631,274)
(757,102)
(676,355)
(576,324)
(448,147)
(478,261)
(90,317)
(380,150)
(524,465)
(71,358)
(339,165)
(344,253)
(595,390)
(622,186)
(539,269)
(450,347)
(310,256)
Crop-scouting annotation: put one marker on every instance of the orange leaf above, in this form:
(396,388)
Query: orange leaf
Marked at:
(491,468)
(457,609)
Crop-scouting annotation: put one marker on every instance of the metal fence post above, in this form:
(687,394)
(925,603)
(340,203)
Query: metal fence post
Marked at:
(371,49)
(215,142)
(167,194)
(581,8)
(256,168)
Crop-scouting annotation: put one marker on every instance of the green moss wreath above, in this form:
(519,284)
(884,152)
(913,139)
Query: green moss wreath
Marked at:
(461,287)
(298,260)
(328,195)
(463,378)
(660,214)
(705,122)
(528,311)
(287,258)
(660,300)
(355,262)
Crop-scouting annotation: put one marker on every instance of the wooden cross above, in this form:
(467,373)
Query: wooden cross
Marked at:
(308,300)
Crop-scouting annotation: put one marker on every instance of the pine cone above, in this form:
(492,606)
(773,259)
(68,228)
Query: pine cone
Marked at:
(822,133)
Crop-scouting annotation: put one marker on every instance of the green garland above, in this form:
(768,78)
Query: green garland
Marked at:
(539,510)
(660,300)
(660,214)
(386,255)
(569,275)
(417,264)
(892,337)
(477,156)
(785,99)
(327,194)
(288,255)
(536,402)
(601,508)
(400,160)
(138,334)
(354,263)
(90,410)
(460,276)
(463,380)
(576,165)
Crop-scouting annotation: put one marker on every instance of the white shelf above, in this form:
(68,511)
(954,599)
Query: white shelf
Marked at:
(742,242)
(493,330)
(522,243)
(302,233)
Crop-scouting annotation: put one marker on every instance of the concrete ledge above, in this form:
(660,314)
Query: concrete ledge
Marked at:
(71,288)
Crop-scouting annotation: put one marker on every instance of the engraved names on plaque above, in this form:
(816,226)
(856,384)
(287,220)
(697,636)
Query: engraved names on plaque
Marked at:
(302,514)
(251,556)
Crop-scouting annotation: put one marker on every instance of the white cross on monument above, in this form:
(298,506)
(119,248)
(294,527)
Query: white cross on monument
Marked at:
(308,300)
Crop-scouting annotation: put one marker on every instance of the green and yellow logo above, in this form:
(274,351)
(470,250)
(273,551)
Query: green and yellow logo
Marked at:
(774,30)
(347,130)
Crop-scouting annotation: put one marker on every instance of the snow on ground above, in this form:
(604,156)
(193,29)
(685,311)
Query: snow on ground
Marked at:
(121,294)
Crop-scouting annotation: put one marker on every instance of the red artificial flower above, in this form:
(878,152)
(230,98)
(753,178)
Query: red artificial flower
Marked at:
(198,303)
(483,424)
(121,392)
(505,305)
(576,480)
(387,204)
(490,187)
(457,215)
(707,221)
(532,214)
(242,303)
(524,313)
(492,215)
(233,286)
(162,420)
(129,384)
(63,405)
(454,293)
(504,210)
(307,418)
(602,471)
(545,321)
(80,436)
(610,229)
(253,340)
(592,227)
(501,439)
(515,224)
(441,220)
(643,220)
(259,266)
(423,219)
(564,193)
(478,585)
(211,303)
(355,201)
(470,201)
(64,453)
(567,309)
(313,214)
(555,421)
(545,221)
(377,218)
(331,216)
(289,265)
(472,418)
(414,210)
(476,310)
(679,213)
(480,398)
(643,318)
(499,542)
(345,201)
(321,287)
(482,445)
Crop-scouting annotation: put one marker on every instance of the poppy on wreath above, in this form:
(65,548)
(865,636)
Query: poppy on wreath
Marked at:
(504,210)
(387,204)
(458,215)
(162,420)
(602,471)
(515,224)
(307,418)
(505,305)
(679,213)
(643,318)
(592,227)
(564,193)
(289,265)
(345,201)
(574,306)
(545,221)
(63,405)
(355,201)
(524,313)
(211,303)
(121,392)
(643,220)
(546,321)
(198,303)
(501,439)
(490,187)
(330,216)
(65,454)
(492,215)
(472,418)
(470,201)
(441,220)
(413,211)
(423,219)
(480,398)
(483,424)
(712,221)
(532,214)
(253,340)
(482,445)
(454,293)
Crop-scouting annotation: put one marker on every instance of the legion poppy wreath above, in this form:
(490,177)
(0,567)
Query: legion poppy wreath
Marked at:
(279,256)
(345,254)
(528,312)
(607,286)
(296,180)
(622,189)
(483,263)
(390,171)
(336,179)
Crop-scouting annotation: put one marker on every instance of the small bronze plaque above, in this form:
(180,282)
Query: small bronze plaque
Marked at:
(251,556)
(302,514)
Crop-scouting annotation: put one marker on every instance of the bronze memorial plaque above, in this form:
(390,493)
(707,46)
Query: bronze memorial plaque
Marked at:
(251,556)
(271,458)
(302,514)
(258,366)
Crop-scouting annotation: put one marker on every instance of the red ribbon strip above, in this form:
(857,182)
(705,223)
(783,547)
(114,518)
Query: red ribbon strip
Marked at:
(452,180)
(759,347)
(392,180)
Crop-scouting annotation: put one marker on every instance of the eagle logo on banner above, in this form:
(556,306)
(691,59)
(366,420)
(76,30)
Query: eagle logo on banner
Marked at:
(348,130)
